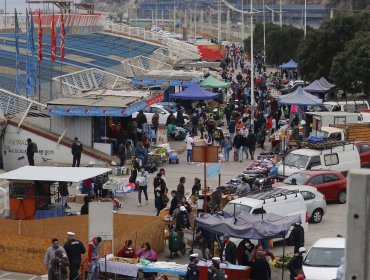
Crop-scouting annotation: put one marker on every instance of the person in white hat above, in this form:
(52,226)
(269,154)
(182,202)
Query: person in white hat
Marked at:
(74,249)
(295,264)
(192,273)
(182,223)
(215,272)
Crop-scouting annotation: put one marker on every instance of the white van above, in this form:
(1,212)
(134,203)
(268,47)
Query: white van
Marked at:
(275,200)
(339,158)
(346,106)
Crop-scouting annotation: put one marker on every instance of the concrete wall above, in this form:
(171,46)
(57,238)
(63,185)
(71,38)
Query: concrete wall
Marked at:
(49,151)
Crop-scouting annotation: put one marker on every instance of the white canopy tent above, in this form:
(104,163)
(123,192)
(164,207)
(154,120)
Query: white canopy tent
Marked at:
(54,174)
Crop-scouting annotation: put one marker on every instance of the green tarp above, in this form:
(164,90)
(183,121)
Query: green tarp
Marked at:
(211,82)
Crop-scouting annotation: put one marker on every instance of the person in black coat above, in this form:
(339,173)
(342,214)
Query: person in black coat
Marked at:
(159,192)
(260,268)
(251,140)
(76,152)
(297,237)
(228,250)
(296,263)
(174,202)
(31,150)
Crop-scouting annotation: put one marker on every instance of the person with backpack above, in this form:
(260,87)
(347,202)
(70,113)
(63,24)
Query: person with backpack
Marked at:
(31,150)
(218,135)
(76,152)
(182,223)
(58,267)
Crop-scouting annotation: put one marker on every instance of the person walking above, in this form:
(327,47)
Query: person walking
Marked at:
(31,150)
(228,250)
(63,192)
(93,258)
(181,187)
(122,153)
(192,272)
(260,268)
(296,263)
(189,148)
(159,192)
(155,122)
(74,249)
(238,146)
(76,152)
(142,180)
(50,252)
(58,267)
(182,223)
(195,123)
(251,140)
(298,237)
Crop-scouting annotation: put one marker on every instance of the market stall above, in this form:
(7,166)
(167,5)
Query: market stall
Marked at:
(34,190)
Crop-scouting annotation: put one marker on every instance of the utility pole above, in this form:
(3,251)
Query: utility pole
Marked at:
(243,31)
(281,16)
(174,19)
(305,18)
(228,25)
(201,22)
(252,65)
(219,22)
(264,33)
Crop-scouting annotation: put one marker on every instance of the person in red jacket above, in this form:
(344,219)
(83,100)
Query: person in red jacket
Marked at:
(260,248)
(127,251)
(93,258)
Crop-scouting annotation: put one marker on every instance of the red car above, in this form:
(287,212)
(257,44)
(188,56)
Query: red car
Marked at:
(331,184)
(363,148)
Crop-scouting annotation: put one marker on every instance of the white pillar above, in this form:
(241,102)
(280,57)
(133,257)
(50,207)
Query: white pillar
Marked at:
(252,62)
(174,20)
(281,15)
(228,29)
(201,21)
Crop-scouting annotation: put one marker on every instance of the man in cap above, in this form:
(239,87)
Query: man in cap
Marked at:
(182,223)
(295,264)
(215,272)
(228,250)
(192,272)
(74,248)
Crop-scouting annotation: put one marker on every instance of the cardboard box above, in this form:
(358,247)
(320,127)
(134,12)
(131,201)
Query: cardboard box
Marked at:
(71,198)
(80,198)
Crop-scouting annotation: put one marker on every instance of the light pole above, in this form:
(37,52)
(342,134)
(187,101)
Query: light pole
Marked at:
(252,66)
(264,33)
(305,18)
(281,16)
(243,31)
(219,22)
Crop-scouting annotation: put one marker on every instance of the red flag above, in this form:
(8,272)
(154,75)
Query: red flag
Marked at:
(53,40)
(39,53)
(63,34)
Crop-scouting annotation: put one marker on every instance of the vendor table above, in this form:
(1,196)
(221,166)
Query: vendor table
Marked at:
(118,186)
(57,211)
(233,272)
(119,268)
(159,268)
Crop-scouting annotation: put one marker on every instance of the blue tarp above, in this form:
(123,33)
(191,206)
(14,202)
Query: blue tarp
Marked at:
(316,86)
(194,92)
(289,65)
(299,97)
(325,83)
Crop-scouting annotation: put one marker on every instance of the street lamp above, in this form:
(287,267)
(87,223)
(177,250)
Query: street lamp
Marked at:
(305,18)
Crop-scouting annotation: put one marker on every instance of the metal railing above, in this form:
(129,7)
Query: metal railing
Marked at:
(81,83)
(26,110)
(177,48)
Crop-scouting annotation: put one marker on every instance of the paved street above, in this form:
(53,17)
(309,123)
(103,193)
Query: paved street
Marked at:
(333,222)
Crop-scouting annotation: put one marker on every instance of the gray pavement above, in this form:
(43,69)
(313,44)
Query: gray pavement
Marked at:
(333,223)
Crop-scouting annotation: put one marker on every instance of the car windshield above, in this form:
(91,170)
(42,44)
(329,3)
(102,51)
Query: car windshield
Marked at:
(324,257)
(170,107)
(296,160)
(296,179)
(238,208)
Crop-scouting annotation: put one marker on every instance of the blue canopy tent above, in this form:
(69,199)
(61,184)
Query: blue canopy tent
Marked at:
(299,97)
(291,64)
(325,83)
(316,86)
(195,92)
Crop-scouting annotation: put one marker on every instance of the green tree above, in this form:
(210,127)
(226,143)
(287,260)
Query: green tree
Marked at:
(316,52)
(351,67)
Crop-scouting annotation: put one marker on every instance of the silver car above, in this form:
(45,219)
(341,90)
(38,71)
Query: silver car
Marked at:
(315,201)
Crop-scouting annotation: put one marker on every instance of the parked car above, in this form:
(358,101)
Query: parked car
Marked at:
(171,106)
(163,114)
(363,148)
(332,184)
(278,201)
(292,86)
(315,201)
(323,259)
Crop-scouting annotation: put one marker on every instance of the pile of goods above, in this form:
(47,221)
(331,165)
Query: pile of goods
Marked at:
(124,260)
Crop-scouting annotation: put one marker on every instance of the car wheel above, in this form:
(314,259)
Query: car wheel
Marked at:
(342,197)
(316,216)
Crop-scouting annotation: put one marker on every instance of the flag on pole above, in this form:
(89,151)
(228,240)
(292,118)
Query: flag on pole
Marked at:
(53,40)
(28,68)
(33,51)
(16,33)
(63,34)
(39,53)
